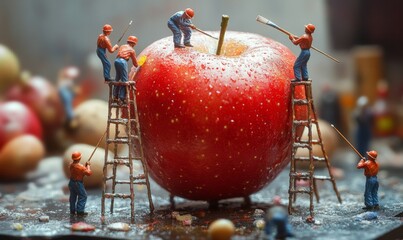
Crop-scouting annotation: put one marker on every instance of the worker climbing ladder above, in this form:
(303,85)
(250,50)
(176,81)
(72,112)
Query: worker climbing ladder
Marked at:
(297,124)
(131,137)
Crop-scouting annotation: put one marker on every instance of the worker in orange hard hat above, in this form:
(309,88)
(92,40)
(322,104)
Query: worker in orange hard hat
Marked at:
(78,195)
(371,168)
(180,22)
(125,53)
(103,44)
(305,43)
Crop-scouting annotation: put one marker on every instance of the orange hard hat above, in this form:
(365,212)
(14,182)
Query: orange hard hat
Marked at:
(372,154)
(310,28)
(189,12)
(132,39)
(76,156)
(107,28)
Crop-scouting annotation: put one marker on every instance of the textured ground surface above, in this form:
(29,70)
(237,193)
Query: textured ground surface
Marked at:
(25,202)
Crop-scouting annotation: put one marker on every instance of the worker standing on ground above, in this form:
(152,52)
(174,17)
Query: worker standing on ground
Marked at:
(371,168)
(180,22)
(305,43)
(103,44)
(78,195)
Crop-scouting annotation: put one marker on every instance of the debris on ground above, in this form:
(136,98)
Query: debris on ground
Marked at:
(44,218)
(82,227)
(119,226)
(367,216)
(221,229)
(17,226)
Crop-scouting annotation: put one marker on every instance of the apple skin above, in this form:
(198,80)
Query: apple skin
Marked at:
(43,98)
(17,119)
(216,127)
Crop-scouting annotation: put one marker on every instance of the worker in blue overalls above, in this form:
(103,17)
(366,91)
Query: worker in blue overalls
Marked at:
(180,22)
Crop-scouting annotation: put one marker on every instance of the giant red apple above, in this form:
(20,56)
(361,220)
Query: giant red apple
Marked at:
(216,127)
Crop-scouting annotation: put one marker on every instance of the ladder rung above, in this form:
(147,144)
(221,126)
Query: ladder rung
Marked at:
(118,140)
(108,178)
(315,158)
(127,158)
(296,83)
(307,142)
(301,145)
(118,105)
(304,122)
(118,121)
(301,190)
(301,175)
(119,162)
(322,177)
(128,182)
(301,101)
(117,195)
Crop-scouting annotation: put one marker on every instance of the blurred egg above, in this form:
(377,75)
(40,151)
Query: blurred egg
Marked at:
(9,67)
(221,229)
(19,156)
(91,120)
(329,139)
(97,163)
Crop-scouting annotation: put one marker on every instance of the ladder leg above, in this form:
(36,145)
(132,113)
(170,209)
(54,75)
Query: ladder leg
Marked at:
(105,167)
(140,150)
(315,189)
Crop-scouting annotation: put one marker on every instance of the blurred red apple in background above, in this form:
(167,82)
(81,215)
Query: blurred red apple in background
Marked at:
(216,127)
(42,97)
(9,67)
(16,119)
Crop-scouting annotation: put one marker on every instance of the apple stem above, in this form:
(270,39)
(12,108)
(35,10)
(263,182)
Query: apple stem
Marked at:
(224,24)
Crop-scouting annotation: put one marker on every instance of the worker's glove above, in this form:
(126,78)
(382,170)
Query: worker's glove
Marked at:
(291,37)
(192,26)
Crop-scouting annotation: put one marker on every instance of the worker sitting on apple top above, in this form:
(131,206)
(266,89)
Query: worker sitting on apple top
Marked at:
(305,43)
(180,22)
(125,53)
(78,195)
(103,43)
(371,168)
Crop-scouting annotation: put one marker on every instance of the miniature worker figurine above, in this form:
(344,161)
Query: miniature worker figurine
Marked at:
(78,195)
(67,91)
(305,43)
(125,53)
(103,44)
(180,22)
(277,216)
(371,168)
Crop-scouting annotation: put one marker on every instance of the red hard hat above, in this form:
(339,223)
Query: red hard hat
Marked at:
(372,154)
(76,156)
(310,28)
(132,39)
(189,12)
(107,28)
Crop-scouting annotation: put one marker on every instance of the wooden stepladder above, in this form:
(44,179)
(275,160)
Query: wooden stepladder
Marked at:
(123,111)
(309,175)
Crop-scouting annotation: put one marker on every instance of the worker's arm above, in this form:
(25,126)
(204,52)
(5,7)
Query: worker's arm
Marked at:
(134,60)
(361,164)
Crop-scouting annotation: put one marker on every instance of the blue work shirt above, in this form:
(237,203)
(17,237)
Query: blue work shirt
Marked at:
(180,21)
